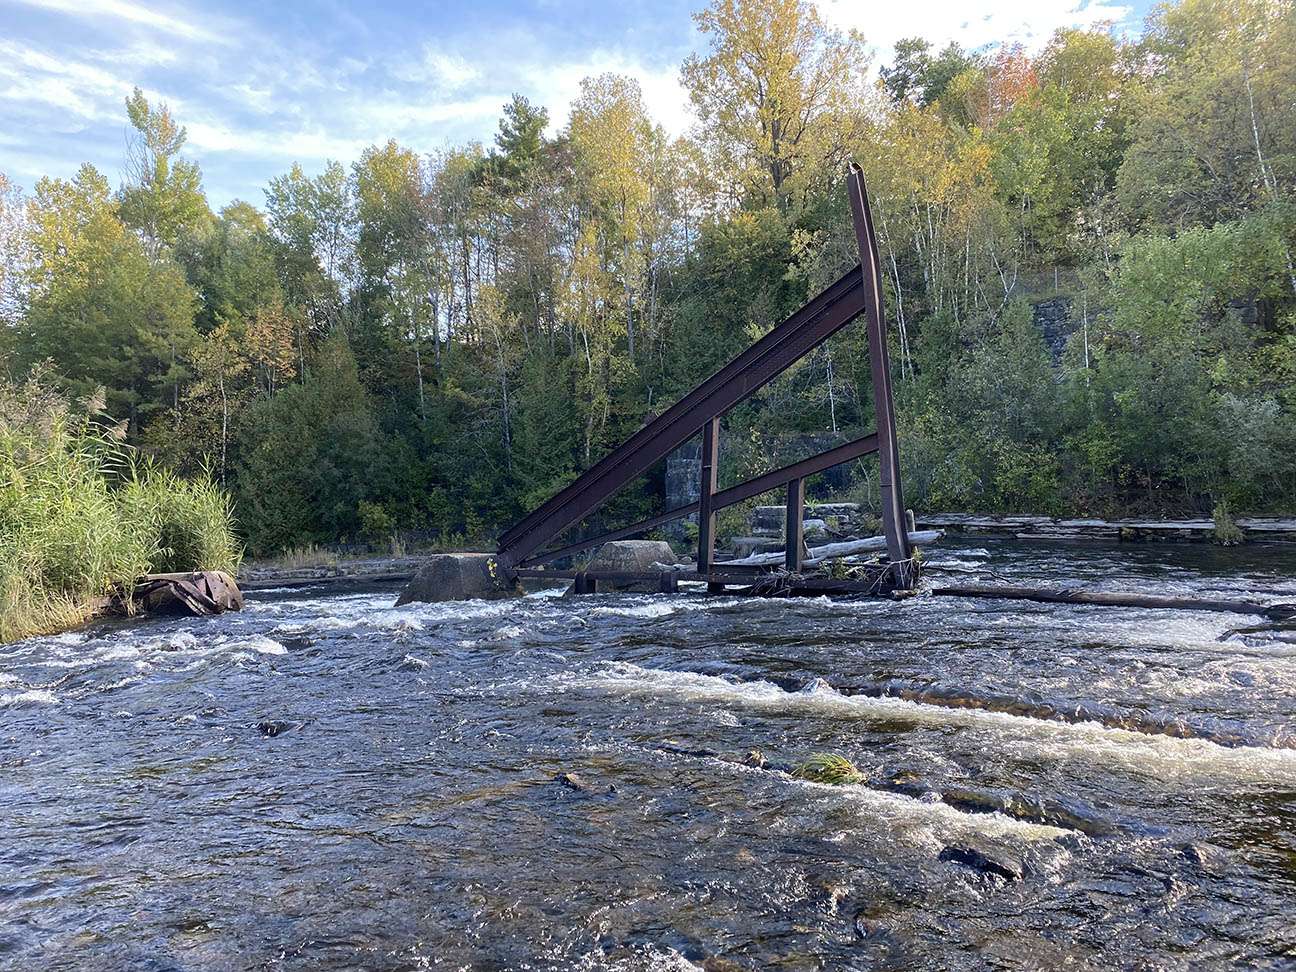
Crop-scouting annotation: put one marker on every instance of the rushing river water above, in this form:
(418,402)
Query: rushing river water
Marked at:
(324,781)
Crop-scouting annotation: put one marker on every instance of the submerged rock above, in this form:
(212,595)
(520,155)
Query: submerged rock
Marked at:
(578,784)
(999,866)
(458,577)
(1208,857)
(572,782)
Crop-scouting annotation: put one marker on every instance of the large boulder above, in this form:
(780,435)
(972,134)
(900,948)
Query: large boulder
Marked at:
(458,577)
(634,556)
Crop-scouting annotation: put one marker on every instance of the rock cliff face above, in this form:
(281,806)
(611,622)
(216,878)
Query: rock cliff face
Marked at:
(1053,318)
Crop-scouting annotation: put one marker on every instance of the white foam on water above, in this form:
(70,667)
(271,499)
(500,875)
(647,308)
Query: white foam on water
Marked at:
(662,607)
(549,593)
(30,697)
(1164,757)
(671,961)
(258,643)
(120,683)
(930,823)
(69,638)
(371,612)
(955,562)
(658,610)
(1177,630)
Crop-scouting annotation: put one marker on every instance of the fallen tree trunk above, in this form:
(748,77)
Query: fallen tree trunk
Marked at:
(1276,612)
(831,550)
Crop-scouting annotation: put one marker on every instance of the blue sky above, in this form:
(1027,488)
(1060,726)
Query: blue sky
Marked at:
(261,85)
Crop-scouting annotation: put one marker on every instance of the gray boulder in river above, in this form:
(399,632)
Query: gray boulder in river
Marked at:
(632,556)
(457,577)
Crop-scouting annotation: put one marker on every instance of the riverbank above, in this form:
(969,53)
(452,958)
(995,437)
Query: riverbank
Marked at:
(331,568)
(1261,529)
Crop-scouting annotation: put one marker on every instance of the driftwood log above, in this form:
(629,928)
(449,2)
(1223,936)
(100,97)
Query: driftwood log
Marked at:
(831,550)
(1275,612)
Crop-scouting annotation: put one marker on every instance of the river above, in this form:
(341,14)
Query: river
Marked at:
(324,781)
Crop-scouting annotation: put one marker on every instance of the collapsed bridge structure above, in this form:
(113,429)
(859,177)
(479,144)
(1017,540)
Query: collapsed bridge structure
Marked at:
(523,548)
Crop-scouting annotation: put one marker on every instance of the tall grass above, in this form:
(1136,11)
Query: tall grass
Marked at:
(187,523)
(80,516)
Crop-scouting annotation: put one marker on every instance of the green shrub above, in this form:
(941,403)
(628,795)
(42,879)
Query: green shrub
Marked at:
(1227,532)
(375,522)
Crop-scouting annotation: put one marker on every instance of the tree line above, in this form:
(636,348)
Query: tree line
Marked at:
(1088,255)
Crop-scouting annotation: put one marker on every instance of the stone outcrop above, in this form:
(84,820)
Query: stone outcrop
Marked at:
(684,475)
(457,577)
(841,518)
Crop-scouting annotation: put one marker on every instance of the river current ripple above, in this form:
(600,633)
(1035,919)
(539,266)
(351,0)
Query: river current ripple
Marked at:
(325,782)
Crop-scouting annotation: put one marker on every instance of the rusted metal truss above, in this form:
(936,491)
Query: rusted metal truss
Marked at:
(857,292)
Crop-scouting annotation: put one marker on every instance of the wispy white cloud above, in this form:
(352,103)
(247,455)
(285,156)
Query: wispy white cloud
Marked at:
(556,86)
(972,24)
(306,145)
(442,70)
(79,88)
(179,25)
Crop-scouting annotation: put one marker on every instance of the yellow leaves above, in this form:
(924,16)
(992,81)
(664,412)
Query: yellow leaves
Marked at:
(590,289)
(611,131)
(271,343)
(920,159)
(68,224)
(777,90)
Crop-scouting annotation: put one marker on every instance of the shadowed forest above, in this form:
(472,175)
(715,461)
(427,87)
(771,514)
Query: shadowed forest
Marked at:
(1088,251)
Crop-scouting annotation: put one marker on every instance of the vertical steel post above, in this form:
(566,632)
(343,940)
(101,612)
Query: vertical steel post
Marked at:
(795,531)
(710,479)
(893,510)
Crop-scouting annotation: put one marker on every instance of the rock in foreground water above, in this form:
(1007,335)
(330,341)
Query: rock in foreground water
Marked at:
(1000,865)
(457,577)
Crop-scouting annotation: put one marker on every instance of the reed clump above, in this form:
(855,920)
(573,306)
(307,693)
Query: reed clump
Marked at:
(81,515)
(830,768)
